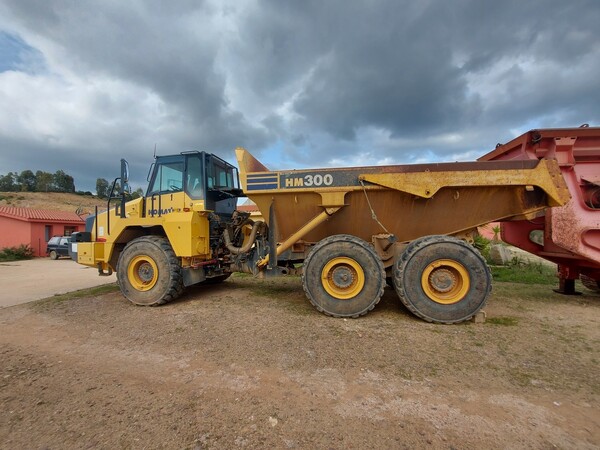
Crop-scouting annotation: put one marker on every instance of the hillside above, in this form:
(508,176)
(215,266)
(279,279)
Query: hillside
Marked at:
(51,200)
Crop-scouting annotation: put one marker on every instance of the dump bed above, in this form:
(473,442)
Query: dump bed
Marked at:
(406,201)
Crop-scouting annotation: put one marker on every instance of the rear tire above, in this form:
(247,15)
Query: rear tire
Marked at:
(53,255)
(148,272)
(343,276)
(442,279)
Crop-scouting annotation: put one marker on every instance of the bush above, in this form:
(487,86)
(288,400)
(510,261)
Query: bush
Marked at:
(23,251)
(483,245)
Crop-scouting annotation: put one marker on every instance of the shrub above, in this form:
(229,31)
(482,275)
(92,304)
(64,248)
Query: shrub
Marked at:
(483,245)
(23,251)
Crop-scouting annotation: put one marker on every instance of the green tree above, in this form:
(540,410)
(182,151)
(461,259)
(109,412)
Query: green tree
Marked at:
(139,192)
(44,181)
(26,180)
(64,182)
(102,187)
(8,182)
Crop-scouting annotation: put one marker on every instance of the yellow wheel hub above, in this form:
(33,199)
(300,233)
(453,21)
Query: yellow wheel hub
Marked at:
(343,278)
(142,273)
(445,281)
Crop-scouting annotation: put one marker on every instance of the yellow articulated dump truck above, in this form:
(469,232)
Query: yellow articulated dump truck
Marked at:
(347,231)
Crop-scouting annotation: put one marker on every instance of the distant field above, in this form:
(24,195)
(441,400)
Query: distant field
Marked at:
(50,200)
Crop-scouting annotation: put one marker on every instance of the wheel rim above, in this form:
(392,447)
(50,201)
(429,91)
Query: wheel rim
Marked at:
(445,281)
(343,278)
(142,273)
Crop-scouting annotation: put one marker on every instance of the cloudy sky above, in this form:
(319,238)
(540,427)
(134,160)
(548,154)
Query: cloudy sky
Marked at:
(309,83)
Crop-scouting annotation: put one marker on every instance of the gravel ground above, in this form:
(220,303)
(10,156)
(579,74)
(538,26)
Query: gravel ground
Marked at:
(251,364)
(39,278)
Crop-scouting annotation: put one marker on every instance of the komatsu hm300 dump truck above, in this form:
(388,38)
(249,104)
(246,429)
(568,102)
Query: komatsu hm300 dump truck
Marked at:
(347,231)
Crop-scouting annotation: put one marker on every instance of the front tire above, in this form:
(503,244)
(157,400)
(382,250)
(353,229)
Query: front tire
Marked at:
(53,255)
(148,272)
(442,279)
(343,276)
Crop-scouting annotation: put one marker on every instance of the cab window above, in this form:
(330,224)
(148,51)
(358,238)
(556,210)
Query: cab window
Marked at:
(220,177)
(168,176)
(195,178)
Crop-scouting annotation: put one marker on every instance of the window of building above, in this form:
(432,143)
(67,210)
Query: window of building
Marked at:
(69,230)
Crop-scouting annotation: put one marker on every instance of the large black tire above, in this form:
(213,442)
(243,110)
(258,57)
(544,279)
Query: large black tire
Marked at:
(442,279)
(53,255)
(343,276)
(590,283)
(148,272)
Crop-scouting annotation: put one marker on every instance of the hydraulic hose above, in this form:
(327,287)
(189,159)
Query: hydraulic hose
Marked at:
(243,249)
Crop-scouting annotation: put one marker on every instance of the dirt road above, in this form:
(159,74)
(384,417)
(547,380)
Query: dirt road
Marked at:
(250,364)
(39,278)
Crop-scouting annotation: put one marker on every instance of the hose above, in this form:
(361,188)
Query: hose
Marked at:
(244,249)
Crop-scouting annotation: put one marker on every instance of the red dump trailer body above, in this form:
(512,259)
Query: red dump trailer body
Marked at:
(568,235)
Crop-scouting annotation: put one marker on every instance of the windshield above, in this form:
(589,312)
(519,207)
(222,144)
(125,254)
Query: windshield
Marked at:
(168,176)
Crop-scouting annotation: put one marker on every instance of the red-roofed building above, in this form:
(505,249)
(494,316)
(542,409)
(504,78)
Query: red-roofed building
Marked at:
(250,207)
(35,227)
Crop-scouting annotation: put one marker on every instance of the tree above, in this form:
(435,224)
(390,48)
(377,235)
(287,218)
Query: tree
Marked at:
(139,192)
(7,182)
(102,187)
(44,181)
(26,180)
(64,182)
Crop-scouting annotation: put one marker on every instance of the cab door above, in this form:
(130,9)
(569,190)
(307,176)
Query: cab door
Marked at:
(166,189)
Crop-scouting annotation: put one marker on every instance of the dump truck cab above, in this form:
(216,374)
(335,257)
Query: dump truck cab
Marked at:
(175,230)
(197,180)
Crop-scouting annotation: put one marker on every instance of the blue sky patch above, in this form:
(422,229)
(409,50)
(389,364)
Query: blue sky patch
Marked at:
(17,55)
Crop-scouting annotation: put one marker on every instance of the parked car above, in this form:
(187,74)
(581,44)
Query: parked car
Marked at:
(58,246)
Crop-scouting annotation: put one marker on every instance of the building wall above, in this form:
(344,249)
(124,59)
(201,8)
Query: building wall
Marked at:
(14,232)
(38,234)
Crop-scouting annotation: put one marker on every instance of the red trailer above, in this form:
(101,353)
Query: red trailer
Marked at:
(568,235)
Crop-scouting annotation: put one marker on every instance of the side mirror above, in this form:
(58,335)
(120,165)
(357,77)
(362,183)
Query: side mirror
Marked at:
(124,171)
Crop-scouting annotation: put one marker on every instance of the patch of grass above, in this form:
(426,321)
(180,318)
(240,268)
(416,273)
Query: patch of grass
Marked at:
(520,377)
(505,321)
(525,274)
(242,275)
(274,290)
(89,292)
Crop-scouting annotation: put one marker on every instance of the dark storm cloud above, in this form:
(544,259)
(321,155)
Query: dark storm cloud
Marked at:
(317,82)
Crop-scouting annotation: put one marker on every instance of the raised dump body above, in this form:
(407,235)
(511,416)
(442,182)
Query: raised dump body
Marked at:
(416,217)
(567,235)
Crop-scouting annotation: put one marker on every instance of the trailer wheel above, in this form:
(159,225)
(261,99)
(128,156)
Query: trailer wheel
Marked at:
(442,279)
(343,276)
(148,272)
(590,283)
